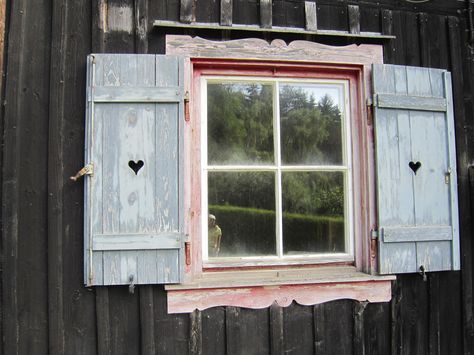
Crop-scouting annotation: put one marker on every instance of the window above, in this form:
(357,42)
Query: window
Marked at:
(244,173)
(276,170)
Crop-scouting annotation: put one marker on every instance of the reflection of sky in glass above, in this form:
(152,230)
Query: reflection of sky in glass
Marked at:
(319,90)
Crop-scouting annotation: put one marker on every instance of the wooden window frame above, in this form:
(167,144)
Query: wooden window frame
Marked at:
(207,285)
(345,167)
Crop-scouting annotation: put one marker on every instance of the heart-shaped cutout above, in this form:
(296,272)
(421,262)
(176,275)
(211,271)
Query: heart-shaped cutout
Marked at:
(414,166)
(136,166)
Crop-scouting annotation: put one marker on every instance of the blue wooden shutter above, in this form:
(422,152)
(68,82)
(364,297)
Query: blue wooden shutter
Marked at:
(134,198)
(416,170)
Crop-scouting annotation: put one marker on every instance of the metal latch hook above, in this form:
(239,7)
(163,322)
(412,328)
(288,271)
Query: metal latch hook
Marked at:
(87,170)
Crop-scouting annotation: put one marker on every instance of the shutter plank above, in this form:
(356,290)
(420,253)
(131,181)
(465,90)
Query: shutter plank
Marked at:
(434,256)
(432,205)
(147,268)
(394,179)
(453,171)
(398,258)
(167,163)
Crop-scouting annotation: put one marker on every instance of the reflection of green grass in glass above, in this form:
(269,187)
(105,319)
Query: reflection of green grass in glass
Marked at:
(257,211)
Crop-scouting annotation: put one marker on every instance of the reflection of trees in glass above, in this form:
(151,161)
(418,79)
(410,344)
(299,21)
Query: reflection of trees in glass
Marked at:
(240,128)
(240,131)
(313,193)
(310,130)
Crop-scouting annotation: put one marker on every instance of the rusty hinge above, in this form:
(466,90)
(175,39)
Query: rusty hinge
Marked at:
(187,252)
(374,234)
(186,107)
(370,111)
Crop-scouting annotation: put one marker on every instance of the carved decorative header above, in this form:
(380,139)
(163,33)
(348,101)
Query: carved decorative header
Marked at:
(253,48)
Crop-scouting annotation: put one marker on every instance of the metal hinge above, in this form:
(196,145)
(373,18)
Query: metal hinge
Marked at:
(374,234)
(186,107)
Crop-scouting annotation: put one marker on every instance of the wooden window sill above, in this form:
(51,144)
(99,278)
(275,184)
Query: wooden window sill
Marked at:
(260,289)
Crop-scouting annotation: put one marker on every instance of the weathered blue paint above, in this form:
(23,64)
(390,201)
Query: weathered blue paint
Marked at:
(416,170)
(134,219)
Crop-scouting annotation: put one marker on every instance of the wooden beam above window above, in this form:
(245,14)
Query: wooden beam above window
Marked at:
(274,29)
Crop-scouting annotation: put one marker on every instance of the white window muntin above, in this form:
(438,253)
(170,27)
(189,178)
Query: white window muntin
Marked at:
(346,167)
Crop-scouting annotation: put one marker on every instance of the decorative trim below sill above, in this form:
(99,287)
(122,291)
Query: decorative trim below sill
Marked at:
(186,301)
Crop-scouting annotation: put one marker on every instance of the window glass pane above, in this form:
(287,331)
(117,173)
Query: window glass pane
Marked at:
(313,212)
(311,128)
(242,206)
(240,123)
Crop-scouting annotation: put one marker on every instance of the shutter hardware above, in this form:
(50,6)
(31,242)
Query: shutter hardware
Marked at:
(87,170)
(447,176)
(186,107)
(374,234)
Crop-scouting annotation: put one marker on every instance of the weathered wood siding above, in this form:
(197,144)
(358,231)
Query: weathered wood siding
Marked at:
(46,308)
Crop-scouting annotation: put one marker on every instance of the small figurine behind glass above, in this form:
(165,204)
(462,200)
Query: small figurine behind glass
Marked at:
(213,237)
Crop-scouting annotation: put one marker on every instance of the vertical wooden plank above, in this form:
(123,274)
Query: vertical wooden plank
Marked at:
(413,309)
(99,16)
(226,13)
(171,330)
(298,329)
(124,317)
(209,11)
(387,22)
(195,336)
(266,13)
(332,17)
(276,329)
(104,346)
(377,338)
(393,129)
(310,15)
(186,12)
(141,26)
(370,19)
(288,13)
(333,327)
(166,167)
(118,23)
(424,32)
(353,13)
(465,185)
(450,308)
(396,340)
(213,335)
(245,12)
(24,169)
(71,307)
(247,331)
(434,315)
(359,329)
(147,324)
(10,183)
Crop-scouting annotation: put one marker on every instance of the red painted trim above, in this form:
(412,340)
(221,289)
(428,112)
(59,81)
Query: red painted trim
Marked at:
(185,301)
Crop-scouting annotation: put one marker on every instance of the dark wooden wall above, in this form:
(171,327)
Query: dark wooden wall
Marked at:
(44,306)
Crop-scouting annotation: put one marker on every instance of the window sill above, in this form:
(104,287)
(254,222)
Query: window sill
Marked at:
(260,289)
